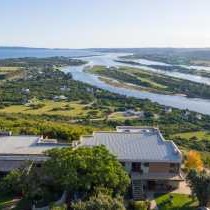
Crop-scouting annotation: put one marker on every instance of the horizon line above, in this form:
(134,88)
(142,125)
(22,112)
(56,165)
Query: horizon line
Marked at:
(89,48)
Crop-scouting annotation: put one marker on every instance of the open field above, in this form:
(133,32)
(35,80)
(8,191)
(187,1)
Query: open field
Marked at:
(119,116)
(201,62)
(144,76)
(200,135)
(48,107)
(179,201)
(9,72)
(8,68)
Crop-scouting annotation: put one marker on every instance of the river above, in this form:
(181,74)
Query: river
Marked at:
(181,102)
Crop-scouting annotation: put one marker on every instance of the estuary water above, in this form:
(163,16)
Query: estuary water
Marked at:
(177,101)
(108,59)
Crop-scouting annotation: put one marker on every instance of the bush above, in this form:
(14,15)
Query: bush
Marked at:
(58,207)
(139,205)
(12,183)
(37,106)
(100,202)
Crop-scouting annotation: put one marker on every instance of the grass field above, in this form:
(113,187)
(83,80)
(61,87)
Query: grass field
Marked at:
(146,78)
(6,201)
(179,201)
(63,108)
(10,72)
(8,68)
(119,116)
(200,135)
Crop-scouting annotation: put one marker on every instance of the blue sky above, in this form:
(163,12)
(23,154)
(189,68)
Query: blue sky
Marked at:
(105,23)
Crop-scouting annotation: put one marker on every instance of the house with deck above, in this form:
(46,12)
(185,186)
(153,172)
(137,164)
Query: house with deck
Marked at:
(152,162)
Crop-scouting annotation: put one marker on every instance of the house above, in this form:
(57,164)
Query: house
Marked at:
(130,113)
(198,116)
(168,110)
(15,151)
(64,88)
(59,98)
(152,162)
(26,90)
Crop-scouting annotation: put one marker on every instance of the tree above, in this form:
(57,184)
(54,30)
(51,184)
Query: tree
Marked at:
(100,202)
(83,169)
(200,185)
(12,182)
(193,161)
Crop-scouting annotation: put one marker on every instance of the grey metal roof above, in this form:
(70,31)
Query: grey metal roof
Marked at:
(141,146)
(24,145)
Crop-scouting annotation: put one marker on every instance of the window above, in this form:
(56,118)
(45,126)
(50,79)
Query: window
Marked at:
(146,164)
(136,167)
(38,165)
(172,165)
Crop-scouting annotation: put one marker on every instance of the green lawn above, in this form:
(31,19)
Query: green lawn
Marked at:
(10,72)
(119,116)
(4,200)
(200,135)
(8,68)
(179,201)
(62,108)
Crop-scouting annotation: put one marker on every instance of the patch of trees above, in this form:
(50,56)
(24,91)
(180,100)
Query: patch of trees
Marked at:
(32,125)
(48,62)
(200,186)
(82,173)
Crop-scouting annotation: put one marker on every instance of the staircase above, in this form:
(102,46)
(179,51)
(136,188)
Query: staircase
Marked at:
(137,189)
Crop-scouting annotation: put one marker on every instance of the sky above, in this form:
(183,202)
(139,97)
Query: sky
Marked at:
(105,23)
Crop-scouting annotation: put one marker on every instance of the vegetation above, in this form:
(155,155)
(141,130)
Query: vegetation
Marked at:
(7,73)
(139,205)
(84,169)
(197,135)
(172,56)
(154,82)
(28,105)
(74,109)
(175,201)
(59,207)
(78,172)
(200,186)
(5,200)
(100,202)
(29,125)
(170,68)
(193,161)
(12,183)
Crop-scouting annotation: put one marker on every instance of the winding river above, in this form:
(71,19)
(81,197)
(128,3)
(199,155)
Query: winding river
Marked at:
(181,102)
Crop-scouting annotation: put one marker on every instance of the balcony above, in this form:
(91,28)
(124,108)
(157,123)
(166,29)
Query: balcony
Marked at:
(157,176)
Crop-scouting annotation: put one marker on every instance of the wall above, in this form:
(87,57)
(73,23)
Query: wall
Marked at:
(159,167)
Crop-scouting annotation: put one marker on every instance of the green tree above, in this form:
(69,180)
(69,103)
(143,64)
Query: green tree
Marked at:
(200,186)
(83,169)
(12,183)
